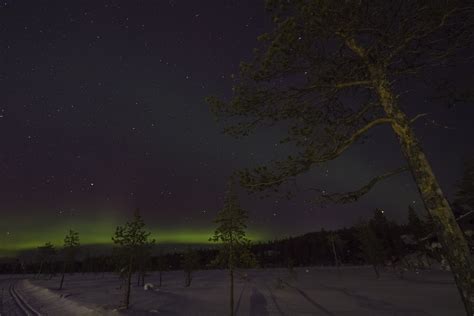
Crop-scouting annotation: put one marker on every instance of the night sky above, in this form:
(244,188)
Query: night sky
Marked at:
(102,110)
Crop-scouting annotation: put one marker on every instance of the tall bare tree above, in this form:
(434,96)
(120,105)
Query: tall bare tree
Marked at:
(332,70)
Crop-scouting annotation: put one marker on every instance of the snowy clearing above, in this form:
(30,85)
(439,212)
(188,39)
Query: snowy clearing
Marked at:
(309,291)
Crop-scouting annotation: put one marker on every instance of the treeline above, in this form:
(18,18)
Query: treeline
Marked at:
(391,243)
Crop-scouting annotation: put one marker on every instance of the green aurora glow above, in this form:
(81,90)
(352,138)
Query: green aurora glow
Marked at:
(95,232)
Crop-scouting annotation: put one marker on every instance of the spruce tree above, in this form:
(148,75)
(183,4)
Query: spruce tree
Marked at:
(230,233)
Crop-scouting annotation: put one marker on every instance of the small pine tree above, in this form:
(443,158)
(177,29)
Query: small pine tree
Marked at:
(230,232)
(130,240)
(190,263)
(70,249)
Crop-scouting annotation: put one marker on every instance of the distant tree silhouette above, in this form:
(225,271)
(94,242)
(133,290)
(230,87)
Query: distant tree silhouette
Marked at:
(162,265)
(331,71)
(230,232)
(70,249)
(415,225)
(45,256)
(336,245)
(130,240)
(190,263)
(370,245)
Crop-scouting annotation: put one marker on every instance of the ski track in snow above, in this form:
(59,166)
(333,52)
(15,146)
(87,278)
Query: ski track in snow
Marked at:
(310,291)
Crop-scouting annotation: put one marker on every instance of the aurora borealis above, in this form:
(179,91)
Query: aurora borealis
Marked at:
(102,111)
(98,231)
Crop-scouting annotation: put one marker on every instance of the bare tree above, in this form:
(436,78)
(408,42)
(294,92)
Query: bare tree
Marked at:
(332,71)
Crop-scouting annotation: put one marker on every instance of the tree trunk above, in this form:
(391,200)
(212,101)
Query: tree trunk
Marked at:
(231,272)
(62,277)
(188,278)
(1,302)
(129,281)
(376,270)
(143,279)
(336,260)
(40,270)
(160,278)
(451,237)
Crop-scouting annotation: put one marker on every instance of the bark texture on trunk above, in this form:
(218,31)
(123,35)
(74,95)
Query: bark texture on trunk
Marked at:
(448,231)
(231,272)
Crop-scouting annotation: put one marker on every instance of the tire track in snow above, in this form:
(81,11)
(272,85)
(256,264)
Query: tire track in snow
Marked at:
(21,303)
(374,304)
(309,299)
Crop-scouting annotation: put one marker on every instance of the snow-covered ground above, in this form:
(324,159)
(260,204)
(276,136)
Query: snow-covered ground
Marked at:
(310,291)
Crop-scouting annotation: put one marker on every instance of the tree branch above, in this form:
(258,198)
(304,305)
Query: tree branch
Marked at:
(417,117)
(353,196)
(336,86)
(306,163)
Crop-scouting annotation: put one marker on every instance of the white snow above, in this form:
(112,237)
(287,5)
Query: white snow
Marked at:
(309,291)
